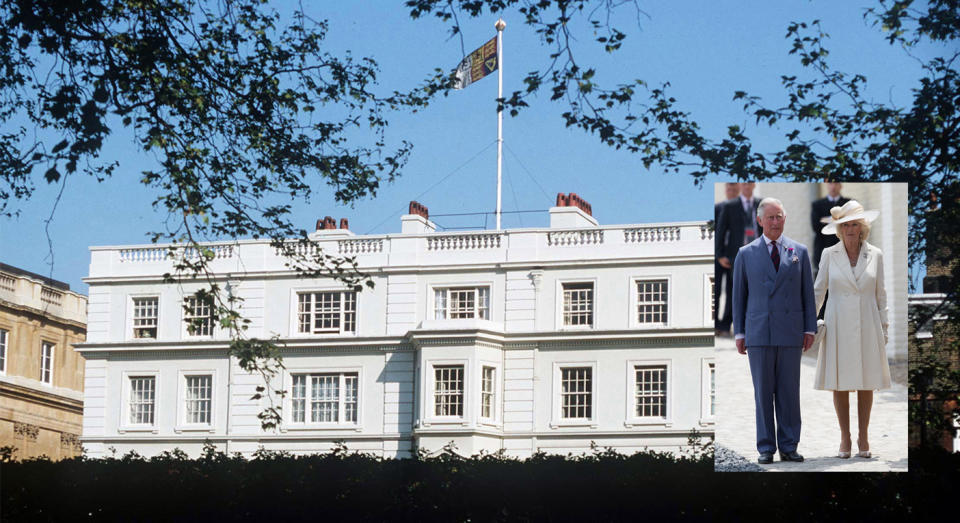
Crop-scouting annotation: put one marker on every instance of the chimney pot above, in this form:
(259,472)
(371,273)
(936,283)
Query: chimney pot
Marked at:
(419,209)
(344,224)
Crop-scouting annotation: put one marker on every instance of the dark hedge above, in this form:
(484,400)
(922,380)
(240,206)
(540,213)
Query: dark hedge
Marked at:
(603,486)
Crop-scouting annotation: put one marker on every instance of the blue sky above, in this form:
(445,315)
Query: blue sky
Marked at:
(706,50)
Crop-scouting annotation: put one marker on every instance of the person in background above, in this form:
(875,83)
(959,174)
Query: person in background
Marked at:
(721,274)
(737,225)
(819,210)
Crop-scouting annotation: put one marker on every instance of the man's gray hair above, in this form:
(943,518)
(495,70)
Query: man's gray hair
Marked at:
(767,201)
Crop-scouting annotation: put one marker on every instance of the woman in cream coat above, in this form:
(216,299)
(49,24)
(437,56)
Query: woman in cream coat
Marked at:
(853,355)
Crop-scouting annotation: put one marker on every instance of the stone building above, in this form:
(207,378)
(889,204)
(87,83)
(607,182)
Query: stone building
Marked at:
(524,340)
(41,376)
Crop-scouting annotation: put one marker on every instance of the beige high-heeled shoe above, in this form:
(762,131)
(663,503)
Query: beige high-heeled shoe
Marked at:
(862,453)
(842,454)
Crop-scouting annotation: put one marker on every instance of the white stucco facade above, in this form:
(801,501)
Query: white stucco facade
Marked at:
(512,372)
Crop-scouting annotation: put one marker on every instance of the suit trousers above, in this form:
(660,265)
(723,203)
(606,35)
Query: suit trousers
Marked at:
(776,390)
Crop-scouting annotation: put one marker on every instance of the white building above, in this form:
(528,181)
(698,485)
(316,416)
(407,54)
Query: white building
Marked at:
(523,340)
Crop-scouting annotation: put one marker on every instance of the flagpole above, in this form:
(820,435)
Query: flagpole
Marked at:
(499,25)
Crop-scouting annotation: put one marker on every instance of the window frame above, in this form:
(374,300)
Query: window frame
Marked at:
(125,425)
(4,344)
(557,419)
(631,397)
(132,311)
(288,376)
(635,301)
(432,305)
(560,325)
(183,424)
(494,418)
(708,395)
(43,357)
(185,319)
(294,325)
(429,398)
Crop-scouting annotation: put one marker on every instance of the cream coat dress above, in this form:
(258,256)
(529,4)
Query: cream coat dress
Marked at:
(853,355)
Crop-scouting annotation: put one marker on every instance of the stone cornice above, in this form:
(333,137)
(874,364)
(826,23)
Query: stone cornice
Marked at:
(551,340)
(47,398)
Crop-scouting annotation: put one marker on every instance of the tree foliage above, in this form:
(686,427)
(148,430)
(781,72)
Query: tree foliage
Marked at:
(241,108)
(829,128)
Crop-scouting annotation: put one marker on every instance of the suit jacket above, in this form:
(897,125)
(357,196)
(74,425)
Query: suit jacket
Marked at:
(773,307)
(731,221)
(819,209)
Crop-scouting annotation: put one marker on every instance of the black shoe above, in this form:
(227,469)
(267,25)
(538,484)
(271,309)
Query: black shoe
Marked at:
(766,458)
(791,456)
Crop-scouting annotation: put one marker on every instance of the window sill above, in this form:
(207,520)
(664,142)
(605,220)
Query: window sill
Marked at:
(441,421)
(198,428)
(326,426)
(648,422)
(577,327)
(323,334)
(564,424)
(708,422)
(151,429)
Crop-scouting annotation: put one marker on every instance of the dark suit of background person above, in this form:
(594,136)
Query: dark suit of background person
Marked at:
(729,236)
(722,275)
(820,209)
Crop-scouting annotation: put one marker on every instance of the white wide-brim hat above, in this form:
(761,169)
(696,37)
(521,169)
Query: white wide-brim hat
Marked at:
(850,211)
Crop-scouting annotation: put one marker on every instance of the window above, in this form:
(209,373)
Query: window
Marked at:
(327,312)
(448,390)
(46,363)
(652,301)
(142,397)
(462,303)
(487,384)
(199,399)
(145,317)
(576,395)
(325,398)
(578,304)
(3,351)
(198,315)
(651,391)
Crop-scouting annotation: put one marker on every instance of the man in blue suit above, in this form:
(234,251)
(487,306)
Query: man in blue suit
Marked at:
(774,322)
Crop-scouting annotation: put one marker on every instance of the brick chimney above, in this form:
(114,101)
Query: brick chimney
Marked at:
(417,221)
(327,227)
(571,211)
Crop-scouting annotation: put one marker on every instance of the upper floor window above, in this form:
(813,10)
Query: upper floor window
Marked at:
(142,398)
(576,392)
(199,399)
(651,391)
(46,362)
(327,312)
(3,351)
(461,303)
(198,315)
(652,301)
(487,384)
(578,304)
(325,398)
(145,311)
(448,390)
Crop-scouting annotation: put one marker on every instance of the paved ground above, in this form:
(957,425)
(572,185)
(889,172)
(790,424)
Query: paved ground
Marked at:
(820,434)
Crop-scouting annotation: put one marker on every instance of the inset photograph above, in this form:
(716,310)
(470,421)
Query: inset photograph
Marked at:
(810,292)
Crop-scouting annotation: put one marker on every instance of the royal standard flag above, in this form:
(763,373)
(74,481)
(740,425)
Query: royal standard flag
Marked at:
(477,64)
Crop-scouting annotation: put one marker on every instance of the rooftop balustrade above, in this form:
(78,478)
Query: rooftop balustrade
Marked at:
(404,251)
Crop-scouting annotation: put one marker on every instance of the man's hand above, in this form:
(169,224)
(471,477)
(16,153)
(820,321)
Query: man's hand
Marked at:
(807,342)
(724,262)
(741,346)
